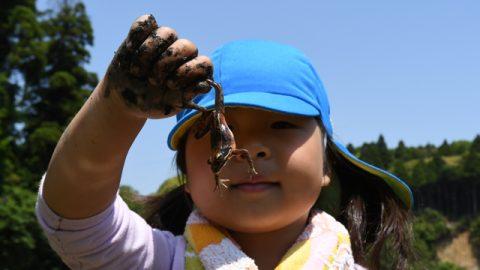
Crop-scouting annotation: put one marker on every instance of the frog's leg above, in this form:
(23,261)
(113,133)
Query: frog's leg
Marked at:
(202,125)
(191,105)
(243,153)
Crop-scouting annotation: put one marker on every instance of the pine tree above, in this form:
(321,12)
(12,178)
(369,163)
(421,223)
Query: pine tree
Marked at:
(444,149)
(351,148)
(400,152)
(20,53)
(471,161)
(7,138)
(384,154)
(64,88)
(475,146)
(22,67)
(369,153)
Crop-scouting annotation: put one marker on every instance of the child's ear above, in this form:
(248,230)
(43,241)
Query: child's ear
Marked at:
(330,196)
(325,180)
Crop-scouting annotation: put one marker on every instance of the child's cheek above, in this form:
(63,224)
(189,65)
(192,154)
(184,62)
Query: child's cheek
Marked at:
(305,168)
(197,152)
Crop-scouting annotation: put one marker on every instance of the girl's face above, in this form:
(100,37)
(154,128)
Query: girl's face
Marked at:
(288,154)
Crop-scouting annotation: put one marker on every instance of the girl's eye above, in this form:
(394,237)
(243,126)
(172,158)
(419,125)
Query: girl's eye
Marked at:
(282,125)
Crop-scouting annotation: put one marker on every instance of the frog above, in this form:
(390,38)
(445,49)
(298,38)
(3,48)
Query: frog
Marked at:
(222,139)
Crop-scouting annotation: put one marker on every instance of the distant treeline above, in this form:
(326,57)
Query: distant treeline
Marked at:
(445,178)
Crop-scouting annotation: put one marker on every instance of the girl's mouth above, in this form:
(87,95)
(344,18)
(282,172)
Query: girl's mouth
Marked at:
(255,187)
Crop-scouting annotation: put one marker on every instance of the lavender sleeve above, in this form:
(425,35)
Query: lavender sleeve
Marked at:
(116,238)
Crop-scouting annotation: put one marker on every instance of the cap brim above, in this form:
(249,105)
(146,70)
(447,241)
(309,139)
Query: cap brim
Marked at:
(260,100)
(399,187)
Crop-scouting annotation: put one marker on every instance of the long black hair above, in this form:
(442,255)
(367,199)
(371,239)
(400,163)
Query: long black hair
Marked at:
(368,208)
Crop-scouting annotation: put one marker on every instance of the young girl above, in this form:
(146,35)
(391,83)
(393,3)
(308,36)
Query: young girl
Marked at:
(312,205)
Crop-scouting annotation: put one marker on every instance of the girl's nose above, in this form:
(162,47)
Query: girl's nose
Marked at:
(256,151)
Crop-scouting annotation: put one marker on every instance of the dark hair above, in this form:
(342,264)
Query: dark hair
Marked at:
(373,215)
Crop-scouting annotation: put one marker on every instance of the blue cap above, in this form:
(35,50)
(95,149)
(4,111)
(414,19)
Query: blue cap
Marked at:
(276,77)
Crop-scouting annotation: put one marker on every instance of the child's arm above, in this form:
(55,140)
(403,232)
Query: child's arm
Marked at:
(85,168)
(84,172)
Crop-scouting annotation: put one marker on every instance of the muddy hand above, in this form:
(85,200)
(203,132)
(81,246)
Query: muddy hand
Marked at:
(155,74)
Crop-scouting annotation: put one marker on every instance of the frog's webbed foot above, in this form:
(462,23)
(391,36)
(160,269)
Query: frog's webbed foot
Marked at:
(220,182)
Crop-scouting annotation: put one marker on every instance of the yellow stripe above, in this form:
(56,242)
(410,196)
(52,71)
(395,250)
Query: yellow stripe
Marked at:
(296,256)
(202,235)
(192,263)
(182,129)
(342,239)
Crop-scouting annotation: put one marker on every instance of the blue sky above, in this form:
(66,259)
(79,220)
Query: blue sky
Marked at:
(407,69)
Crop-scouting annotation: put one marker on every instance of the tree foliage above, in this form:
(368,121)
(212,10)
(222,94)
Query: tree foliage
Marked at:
(429,228)
(471,161)
(132,198)
(24,245)
(64,85)
(168,185)
(43,83)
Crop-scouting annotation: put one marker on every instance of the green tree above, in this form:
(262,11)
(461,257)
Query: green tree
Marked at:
(400,152)
(436,168)
(351,148)
(383,152)
(24,245)
(445,149)
(64,87)
(376,153)
(475,146)
(459,147)
(401,171)
(429,228)
(471,161)
(422,174)
(168,185)
(42,85)
(20,51)
(369,153)
(475,235)
(7,137)
(132,198)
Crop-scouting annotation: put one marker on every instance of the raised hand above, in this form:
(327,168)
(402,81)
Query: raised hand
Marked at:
(154,74)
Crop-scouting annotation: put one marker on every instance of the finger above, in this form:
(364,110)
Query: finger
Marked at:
(150,50)
(181,51)
(191,91)
(139,31)
(201,87)
(198,69)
